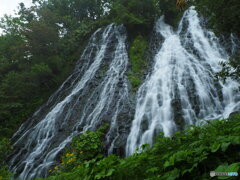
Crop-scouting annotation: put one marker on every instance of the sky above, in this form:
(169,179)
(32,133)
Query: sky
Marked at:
(8,6)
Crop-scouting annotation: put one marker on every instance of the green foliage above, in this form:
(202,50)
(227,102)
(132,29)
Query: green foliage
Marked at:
(32,64)
(191,154)
(131,12)
(223,15)
(234,167)
(84,150)
(89,143)
(5,149)
(230,69)
(171,14)
(137,60)
(5,174)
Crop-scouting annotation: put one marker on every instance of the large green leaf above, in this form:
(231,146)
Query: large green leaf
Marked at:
(171,175)
(215,147)
(224,146)
(227,168)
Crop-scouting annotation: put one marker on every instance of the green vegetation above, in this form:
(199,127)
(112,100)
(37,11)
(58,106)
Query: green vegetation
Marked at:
(5,148)
(172,12)
(134,12)
(223,15)
(137,61)
(228,66)
(83,148)
(190,154)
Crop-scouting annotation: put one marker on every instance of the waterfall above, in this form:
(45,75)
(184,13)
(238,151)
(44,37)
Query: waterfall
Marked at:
(95,93)
(182,88)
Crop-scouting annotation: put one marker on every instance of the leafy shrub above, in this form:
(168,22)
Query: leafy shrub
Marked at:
(131,12)
(5,174)
(230,69)
(137,60)
(5,148)
(223,15)
(84,149)
(191,154)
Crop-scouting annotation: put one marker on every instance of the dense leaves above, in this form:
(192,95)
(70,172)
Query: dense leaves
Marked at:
(231,68)
(191,154)
(137,60)
(223,15)
(86,148)
(134,12)
(5,148)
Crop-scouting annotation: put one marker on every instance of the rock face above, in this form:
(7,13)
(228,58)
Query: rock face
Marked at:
(95,93)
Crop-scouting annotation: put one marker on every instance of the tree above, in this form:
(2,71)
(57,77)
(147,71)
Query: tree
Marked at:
(230,69)
(181,4)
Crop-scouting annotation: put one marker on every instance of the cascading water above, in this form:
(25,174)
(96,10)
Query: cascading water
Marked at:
(95,93)
(182,89)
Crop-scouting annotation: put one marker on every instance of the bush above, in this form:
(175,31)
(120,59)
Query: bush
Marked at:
(230,69)
(5,148)
(87,147)
(223,15)
(137,61)
(5,174)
